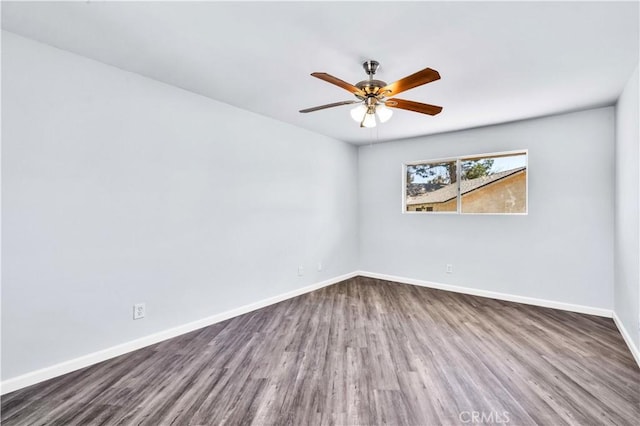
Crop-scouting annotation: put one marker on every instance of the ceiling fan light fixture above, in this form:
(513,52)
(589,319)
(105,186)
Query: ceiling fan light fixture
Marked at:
(369,120)
(358,113)
(384,113)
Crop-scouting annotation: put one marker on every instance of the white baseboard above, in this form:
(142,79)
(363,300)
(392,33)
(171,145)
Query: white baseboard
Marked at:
(493,295)
(65,367)
(627,338)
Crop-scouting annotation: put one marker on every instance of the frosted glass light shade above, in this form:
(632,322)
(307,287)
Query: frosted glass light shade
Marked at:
(369,120)
(358,112)
(383,112)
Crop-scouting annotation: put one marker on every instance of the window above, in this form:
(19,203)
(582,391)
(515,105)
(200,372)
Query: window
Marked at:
(480,184)
(431,187)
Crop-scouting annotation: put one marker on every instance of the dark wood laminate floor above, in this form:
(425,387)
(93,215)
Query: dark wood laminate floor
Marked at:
(362,352)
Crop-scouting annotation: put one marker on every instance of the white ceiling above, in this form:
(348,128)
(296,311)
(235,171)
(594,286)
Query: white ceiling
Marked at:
(499,61)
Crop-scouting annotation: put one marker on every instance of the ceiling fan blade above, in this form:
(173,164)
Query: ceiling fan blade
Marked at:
(413,106)
(335,104)
(425,76)
(340,83)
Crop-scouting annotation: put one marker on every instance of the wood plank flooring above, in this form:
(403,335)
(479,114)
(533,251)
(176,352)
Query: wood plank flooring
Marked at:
(362,352)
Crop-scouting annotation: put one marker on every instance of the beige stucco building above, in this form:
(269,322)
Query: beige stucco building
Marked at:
(503,192)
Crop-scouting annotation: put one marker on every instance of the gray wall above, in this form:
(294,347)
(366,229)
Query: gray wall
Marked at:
(627,199)
(561,251)
(117,189)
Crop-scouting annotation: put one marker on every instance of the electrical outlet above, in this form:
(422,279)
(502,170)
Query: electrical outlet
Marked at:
(138,311)
(300,270)
(319,266)
(449,268)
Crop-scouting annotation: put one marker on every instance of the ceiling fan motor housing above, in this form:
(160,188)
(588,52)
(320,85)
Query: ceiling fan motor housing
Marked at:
(371,87)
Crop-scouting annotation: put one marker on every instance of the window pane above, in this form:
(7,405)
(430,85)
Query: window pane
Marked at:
(494,184)
(431,187)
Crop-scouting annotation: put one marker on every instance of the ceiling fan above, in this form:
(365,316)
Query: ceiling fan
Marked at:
(372,95)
